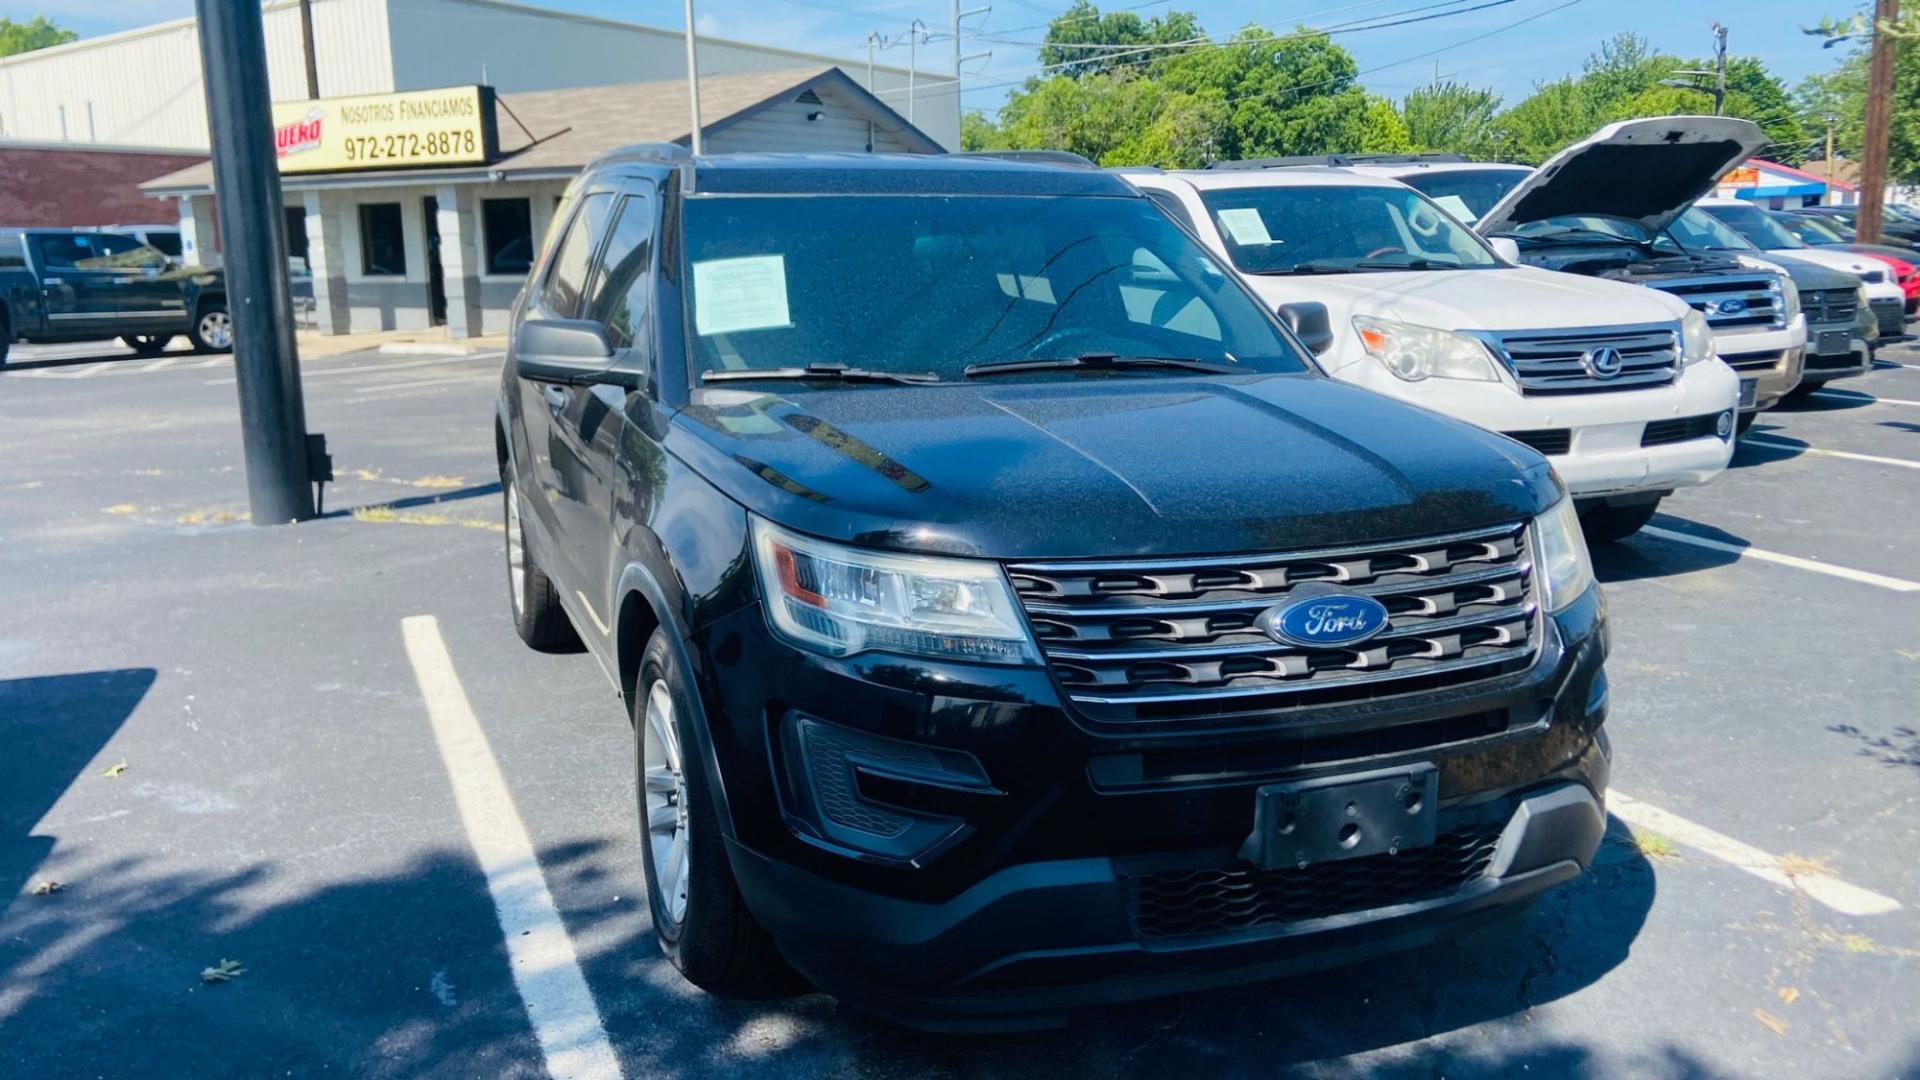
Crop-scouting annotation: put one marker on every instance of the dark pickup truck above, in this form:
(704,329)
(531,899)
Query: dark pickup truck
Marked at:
(65,285)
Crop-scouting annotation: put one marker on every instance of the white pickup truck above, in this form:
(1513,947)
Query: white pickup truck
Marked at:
(1619,386)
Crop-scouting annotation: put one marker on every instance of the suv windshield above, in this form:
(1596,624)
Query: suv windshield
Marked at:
(1754,224)
(1465,193)
(1583,228)
(1697,230)
(1341,229)
(926,284)
(1813,230)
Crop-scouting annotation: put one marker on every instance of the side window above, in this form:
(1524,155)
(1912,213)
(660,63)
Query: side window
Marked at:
(567,279)
(1170,205)
(12,254)
(624,282)
(383,243)
(507,225)
(113,251)
(64,251)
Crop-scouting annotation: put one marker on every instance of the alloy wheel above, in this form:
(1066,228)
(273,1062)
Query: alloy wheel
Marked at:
(216,329)
(665,802)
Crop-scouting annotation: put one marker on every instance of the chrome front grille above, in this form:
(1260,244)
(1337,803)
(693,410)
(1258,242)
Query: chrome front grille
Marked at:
(1175,638)
(1825,306)
(1731,302)
(1560,361)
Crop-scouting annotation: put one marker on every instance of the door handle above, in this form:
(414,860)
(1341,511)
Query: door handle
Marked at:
(54,281)
(556,398)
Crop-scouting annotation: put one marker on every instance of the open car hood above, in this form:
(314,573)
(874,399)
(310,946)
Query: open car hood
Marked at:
(1644,171)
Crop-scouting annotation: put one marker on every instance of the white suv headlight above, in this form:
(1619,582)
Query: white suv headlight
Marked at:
(1696,338)
(841,600)
(1560,551)
(1420,352)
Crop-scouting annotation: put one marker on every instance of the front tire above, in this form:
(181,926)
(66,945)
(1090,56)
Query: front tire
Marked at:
(1605,524)
(537,615)
(699,917)
(1746,421)
(212,329)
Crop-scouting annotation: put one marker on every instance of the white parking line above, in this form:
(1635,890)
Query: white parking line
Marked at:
(546,971)
(1862,576)
(1762,440)
(401,365)
(1855,395)
(1822,887)
(467,377)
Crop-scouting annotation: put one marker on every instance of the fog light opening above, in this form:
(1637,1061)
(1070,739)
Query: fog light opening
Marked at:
(1723,424)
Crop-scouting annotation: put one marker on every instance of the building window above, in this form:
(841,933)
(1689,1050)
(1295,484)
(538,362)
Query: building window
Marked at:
(507,225)
(296,240)
(383,245)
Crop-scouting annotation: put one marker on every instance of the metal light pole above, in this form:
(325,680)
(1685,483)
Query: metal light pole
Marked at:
(913,61)
(872,36)
(693,79)
(273,412)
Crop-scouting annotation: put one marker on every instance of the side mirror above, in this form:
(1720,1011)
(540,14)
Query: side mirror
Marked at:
(570,351)
(1308,321)
(1506,247)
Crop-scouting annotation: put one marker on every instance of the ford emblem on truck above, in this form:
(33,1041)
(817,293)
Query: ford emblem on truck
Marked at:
(1329,618)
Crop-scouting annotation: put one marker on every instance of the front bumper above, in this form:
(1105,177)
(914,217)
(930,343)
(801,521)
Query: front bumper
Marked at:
(1823,368)
(1031,904)
(1594,439)
(1771,359)
(1037,939)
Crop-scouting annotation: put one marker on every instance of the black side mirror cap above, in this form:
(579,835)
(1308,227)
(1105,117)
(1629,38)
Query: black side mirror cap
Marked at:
(1308,321)
(571,351)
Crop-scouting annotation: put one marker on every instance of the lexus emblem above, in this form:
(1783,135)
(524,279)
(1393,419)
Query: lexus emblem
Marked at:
(1604,362)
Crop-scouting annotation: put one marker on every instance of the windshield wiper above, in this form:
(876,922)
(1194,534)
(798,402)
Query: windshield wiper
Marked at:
(1309,268)
(835,372)
(1097,361)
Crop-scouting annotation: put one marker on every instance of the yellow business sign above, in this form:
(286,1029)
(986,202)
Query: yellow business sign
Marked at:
(453,126)
(1742,176)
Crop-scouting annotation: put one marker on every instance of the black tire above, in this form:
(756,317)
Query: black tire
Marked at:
(1746,421)
(716,943)
(212,328)
(6,338)
(537,615)
(146,344)
(1605,524)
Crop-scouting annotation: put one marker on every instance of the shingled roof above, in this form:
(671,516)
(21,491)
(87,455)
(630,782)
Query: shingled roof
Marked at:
(569,128)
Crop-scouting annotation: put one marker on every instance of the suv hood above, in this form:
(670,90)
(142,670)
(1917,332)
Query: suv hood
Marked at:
(1107,466)
(1644,171)
(1809,271)
(1510,298)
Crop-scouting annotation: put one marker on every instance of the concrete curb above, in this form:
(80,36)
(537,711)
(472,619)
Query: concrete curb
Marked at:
(425,348)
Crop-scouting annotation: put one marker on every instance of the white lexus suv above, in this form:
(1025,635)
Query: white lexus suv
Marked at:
(1618,386)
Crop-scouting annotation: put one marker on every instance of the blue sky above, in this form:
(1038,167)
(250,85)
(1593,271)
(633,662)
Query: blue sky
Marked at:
(1510,61)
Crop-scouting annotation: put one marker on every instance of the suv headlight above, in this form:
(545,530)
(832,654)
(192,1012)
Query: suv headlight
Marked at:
(1420,352)
(1561,554)
(1696,338)
(1788,294)
(841,600)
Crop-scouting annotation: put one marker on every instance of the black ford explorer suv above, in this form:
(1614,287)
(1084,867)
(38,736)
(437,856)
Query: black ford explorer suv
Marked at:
(73,285)
(1012,617)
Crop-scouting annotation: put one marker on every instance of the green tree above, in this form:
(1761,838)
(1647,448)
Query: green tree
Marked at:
(1081,41)
(1842,95)
(1452,117)
(36,33)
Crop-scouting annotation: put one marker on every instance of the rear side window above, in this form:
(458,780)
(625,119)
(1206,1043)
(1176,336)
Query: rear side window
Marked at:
(621,288)
(567,280)
(12,253)
(169,243)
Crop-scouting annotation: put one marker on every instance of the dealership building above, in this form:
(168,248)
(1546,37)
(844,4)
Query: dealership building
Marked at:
(468,119)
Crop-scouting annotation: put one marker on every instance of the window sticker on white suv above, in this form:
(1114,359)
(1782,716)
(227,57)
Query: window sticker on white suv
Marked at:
(748,293)
(1245,226)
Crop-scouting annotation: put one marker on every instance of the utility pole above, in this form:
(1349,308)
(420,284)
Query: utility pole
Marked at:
(306,44)
(281,458)
(1827,197)
(1873,156)
(913,60)
(955,14)
(872,36)
(693,81)
(1719,69)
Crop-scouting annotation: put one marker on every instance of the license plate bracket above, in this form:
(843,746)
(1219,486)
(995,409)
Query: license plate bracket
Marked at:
(1331,818)
(1749,392)
(1831,343)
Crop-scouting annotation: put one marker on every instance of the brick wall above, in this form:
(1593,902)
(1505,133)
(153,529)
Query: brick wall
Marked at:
(54,187)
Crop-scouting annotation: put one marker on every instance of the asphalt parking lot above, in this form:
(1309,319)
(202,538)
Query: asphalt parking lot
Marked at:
(223,743)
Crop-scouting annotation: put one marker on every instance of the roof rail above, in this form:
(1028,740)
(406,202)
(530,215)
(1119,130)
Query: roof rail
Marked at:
(1033,157)
(1337,161)
(652,151)
(1136,169)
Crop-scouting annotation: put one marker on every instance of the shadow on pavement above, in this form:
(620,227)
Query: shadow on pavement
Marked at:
(1747,453)
(1639,558)
(475,491)
(1575,935)
(109,350)
(50,727)
(1826,399)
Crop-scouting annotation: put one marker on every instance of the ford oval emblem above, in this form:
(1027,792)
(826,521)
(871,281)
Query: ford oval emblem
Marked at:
(1732,307)
(1328,618)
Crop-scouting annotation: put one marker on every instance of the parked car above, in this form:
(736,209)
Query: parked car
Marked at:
(76,285)
(1842,326)
(1617,385)
(1894,228)
(1904,261)
(998,639)
(1885,297)
(1601,207)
